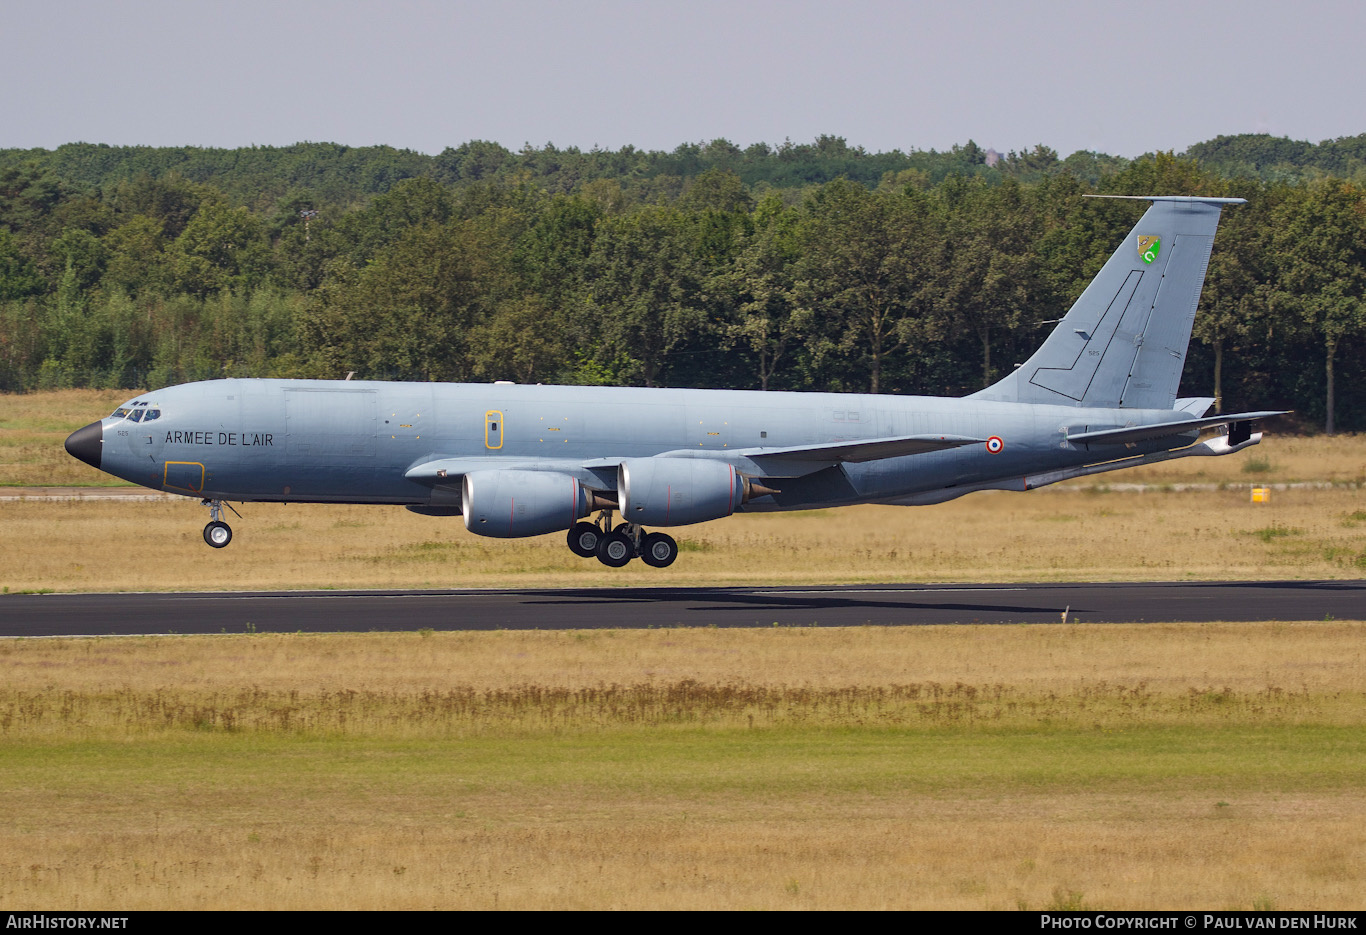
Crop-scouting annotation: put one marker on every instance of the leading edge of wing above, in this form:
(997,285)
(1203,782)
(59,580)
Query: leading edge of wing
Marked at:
(1140,433)
(873,449)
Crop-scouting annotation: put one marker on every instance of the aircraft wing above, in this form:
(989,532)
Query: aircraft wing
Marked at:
(803,459)
(1143,433)
(873,449)
(792,461)
(448,471)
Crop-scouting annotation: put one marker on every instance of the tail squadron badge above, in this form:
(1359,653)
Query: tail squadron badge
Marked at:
(1148,247)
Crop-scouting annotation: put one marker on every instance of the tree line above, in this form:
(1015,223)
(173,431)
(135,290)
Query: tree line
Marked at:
(813,267)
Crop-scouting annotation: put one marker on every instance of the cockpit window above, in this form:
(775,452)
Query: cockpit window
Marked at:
(131,411)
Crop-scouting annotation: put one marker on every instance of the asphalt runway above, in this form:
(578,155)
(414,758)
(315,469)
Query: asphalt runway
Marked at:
(641,608)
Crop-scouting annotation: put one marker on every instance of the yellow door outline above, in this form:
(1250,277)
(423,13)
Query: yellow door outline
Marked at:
(493,430)
(166,476)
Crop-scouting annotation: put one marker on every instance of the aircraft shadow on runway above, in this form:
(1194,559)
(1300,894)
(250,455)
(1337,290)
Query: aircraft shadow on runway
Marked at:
(696,601)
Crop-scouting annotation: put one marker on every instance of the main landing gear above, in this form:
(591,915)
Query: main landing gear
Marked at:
(218,533)
(616,547)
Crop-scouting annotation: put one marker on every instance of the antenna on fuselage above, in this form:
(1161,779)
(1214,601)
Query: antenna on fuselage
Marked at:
(350,374)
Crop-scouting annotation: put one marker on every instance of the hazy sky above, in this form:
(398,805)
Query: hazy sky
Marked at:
(1121,78)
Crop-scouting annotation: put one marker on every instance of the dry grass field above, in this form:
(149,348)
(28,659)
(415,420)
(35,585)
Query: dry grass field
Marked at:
(33,427)
(1157,766)
(1045,535)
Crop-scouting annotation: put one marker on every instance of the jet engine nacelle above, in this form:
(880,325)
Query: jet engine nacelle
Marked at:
(677,491)
(511,504)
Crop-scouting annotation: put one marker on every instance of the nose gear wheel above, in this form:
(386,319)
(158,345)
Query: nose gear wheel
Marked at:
(218,533)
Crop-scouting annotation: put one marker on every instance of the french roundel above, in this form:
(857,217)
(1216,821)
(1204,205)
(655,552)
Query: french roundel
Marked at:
(995,445)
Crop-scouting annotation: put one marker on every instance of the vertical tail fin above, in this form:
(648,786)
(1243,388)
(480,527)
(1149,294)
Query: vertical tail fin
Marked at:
(1123,344)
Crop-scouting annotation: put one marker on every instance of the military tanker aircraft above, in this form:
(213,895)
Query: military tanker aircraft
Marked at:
(519,460)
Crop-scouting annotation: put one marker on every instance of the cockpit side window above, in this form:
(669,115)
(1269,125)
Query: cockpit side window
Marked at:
(136,415)
(152,414)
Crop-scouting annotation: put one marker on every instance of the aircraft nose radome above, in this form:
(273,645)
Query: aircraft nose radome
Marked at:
(87,444)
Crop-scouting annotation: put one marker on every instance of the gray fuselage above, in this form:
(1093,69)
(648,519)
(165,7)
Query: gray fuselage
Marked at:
(354,441)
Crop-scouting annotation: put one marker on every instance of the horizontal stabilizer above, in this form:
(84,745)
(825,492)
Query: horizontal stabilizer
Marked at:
(1197,406)
(1143,433)
(873,449)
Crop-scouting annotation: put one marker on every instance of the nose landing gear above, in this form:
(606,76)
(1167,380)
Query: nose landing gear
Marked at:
(616,547)
(218,533)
